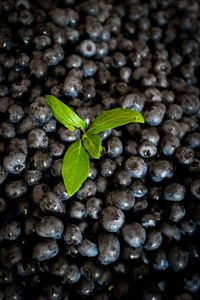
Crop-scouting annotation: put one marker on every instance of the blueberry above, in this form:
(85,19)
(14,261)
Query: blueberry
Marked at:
(177,212)
(159,260)
(38,67)
(185,155)
(63,17)
(178,259)
(67,136)
(40,112)
(125,74)
(88,189)
(134,101)
(112,219)
(174,192)
(5,103)
(93,207)
(72,86)
(108,167)
(192,282)
(15,189)
(22,61)
(74,61)
(131,147)
(122,198)
(171,231)
(109,248)
(148,220)
(87,248)
(41,41)
(52,56)
(7,130)
(188,227)
(38,139)
(101,184)
(93,171)
(91,271)
(85,287)
(123,178)
(134,234)
(189,103)
(52,291)
(50,126)
(41,161)
(151,135)
(45,250)
(60,190)
(18,145)
(73,274)
(174,112)
(136,167)
(94,30)
(147,150)
(138,188)
(169,144)
(88,48)
(11,230)
(72,35)
(39,191)
(72,234)
(153,240)
(185,128)
(153,95)
(191,121)
(89,68)
(59,266)
(160,170)
(151,291)
(26,125)
(193,140)
(56,168)
(77,210)
(11,255)
(171,127)
(115,147)
(50,226)
(16,113)
(50,202)
(195,188)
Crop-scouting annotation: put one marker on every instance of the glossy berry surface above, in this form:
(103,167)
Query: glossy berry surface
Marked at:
(131,231)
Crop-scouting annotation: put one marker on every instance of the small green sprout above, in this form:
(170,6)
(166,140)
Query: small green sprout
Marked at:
(76,165)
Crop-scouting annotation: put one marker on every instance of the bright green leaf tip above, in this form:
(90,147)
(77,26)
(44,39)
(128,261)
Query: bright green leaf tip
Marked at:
(64,114)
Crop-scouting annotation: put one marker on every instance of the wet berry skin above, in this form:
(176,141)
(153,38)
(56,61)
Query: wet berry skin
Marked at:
(50,226)
(45,250)
(109,248)
(174,192)
(112,218)
(134,234)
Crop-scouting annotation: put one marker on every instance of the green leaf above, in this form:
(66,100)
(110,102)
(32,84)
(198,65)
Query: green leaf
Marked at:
(75,168)
(92,144)
(64,114)
(114,118)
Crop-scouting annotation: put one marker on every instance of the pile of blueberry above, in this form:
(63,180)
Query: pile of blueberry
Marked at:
(132,230)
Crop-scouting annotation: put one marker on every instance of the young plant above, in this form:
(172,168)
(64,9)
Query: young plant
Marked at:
(76,165)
